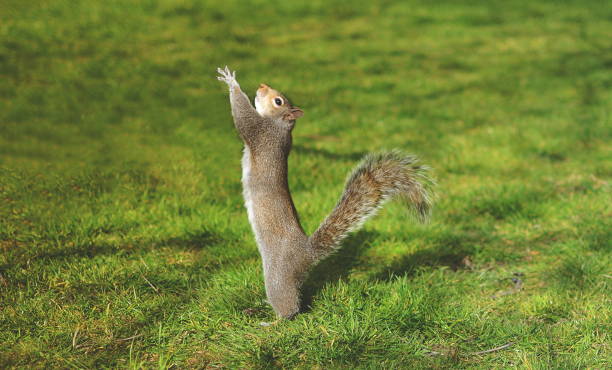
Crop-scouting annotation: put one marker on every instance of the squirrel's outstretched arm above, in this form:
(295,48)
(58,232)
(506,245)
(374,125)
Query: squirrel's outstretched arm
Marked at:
(246,118)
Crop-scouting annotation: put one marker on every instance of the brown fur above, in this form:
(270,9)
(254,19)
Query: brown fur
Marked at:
(287,253)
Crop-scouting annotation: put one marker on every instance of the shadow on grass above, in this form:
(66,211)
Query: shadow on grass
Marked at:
(104,247)
(354,156)
(450,249)
(337,266)
(580,271)
(453,258)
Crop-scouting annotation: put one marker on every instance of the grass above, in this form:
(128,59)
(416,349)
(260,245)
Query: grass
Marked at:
(124,241)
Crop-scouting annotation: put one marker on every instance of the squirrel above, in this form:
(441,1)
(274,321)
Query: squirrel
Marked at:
(287,252)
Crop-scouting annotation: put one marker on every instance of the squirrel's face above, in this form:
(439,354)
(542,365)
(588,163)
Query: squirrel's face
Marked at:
(272,104)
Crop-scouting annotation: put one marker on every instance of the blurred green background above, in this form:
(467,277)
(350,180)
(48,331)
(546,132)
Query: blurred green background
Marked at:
(124,242)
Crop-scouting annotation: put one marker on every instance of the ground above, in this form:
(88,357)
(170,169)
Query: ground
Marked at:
(124,241)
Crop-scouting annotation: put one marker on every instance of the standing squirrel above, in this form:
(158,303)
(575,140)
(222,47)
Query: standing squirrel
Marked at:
(287,252)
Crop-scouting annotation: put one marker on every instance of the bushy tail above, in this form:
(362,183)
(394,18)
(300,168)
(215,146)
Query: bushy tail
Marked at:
(378,178)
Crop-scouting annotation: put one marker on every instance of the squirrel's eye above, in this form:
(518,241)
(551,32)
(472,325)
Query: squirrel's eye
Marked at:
(278,101)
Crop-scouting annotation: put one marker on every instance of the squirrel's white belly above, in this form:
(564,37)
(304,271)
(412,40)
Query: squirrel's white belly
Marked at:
(246,192)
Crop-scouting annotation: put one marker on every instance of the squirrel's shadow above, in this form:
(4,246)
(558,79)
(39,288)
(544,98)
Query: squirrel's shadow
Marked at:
(337,266)
(452,250)
(439,256)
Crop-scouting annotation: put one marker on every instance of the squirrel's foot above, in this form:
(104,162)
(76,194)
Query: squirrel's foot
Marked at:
(227,76)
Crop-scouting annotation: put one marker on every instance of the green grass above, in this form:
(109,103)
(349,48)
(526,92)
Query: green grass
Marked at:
(124,241)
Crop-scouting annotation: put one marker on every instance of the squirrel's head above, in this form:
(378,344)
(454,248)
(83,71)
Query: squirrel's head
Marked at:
(272,104)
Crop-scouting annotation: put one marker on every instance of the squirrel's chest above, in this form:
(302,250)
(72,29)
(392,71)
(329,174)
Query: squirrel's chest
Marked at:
(246,176)
(246,191)
(250,200)
(246,165)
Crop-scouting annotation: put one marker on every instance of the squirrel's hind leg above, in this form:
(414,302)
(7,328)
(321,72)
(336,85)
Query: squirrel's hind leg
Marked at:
(284,296)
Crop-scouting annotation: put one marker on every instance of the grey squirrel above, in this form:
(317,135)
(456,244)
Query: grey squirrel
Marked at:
(287,252)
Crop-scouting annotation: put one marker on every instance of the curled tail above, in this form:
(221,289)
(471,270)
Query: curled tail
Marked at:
(378,178)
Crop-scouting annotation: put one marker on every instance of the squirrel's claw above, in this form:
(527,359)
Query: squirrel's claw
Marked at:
(226,75)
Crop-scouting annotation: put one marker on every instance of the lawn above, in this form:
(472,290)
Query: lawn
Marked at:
(123,237)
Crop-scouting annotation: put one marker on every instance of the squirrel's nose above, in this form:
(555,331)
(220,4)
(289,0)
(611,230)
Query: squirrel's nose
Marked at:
(264,86)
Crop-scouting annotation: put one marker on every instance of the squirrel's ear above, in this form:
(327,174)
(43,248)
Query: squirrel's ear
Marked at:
(293,114)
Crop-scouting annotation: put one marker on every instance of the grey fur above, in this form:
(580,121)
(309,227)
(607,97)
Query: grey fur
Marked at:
(287,252)
(378,178)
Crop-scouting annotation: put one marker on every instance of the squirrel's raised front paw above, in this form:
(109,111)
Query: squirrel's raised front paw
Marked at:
(227,76)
